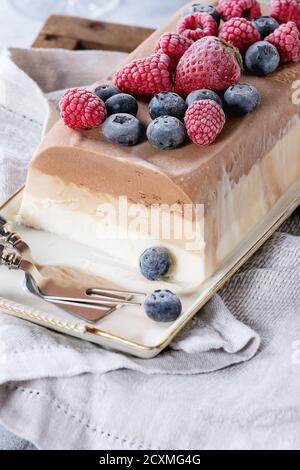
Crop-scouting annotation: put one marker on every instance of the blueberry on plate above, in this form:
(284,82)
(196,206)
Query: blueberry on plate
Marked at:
(155,263)
(241,99)
(265,25)
(166,132)
(167,104)
(122,103)
(106,91)
(199,95)
(262,58)
(163,306)
(201,8)
(122,129)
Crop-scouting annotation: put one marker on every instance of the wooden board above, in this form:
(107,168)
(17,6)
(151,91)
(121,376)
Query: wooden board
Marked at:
(73,33)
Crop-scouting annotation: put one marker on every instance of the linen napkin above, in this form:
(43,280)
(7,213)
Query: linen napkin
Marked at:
(79,386)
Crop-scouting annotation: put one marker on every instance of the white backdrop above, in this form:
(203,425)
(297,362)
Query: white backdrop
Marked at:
(16,29)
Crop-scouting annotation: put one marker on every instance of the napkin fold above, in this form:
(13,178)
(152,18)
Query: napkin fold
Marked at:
(58,369)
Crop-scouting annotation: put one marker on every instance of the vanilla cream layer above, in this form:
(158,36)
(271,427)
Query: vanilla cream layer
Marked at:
(100,221)
(63,208)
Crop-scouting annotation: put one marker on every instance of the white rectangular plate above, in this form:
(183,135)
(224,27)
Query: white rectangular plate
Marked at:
(128,329)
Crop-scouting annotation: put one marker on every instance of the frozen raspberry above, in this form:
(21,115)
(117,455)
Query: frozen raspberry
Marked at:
(286,10)
(248,9)
(239,32)
(174,45)
(287,42)
(197,26)
(209,64)
(204,121)
(82,109)
(145,77)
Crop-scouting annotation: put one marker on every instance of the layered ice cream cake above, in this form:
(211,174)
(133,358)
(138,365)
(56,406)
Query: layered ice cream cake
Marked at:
(78,175)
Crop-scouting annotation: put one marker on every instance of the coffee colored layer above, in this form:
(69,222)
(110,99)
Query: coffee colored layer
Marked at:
(188,174)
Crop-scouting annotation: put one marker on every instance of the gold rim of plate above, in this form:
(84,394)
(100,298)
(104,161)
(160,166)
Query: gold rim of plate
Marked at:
(211,292)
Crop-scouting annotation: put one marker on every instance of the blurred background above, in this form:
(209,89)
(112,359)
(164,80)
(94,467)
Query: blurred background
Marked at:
(21,20)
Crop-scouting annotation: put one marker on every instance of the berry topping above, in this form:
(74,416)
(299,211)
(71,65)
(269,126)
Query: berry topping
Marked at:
(262,58)
(197,26)
(167,104)
(82,109)
(265,25)
(239,32)
(286,40)
(122,103)
(166,132)
(286,10)
(173,45)
(208,63)
(199,95)
(145,77)
(155,263)
(200,8)
(122,129)
(248,9)
(106,91)
(163,306)
(204,121)
(241,99)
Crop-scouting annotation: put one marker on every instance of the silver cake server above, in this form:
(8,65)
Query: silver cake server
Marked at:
(91,304)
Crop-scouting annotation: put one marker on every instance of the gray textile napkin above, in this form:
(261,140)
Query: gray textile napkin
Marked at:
(61,392)
(254,405)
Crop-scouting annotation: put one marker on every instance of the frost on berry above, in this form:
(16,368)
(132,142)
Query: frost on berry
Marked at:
(174,45)
(82,109)
(209,64)
(286,10)
(287,41)
(248,9)
(197,26)
(204,121)
(239,32)
(146,77)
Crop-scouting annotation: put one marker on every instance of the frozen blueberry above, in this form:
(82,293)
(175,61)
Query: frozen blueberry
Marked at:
(155,263)
(262,58)
(122,103)
(265,25)
(163,306)
(122,129)
(167,104)
(199,95)
(166,132)
(106,91)
(201,8)
(241,99)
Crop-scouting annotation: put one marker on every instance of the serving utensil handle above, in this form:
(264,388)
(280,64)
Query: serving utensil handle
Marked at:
(9,258)
(12,238)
